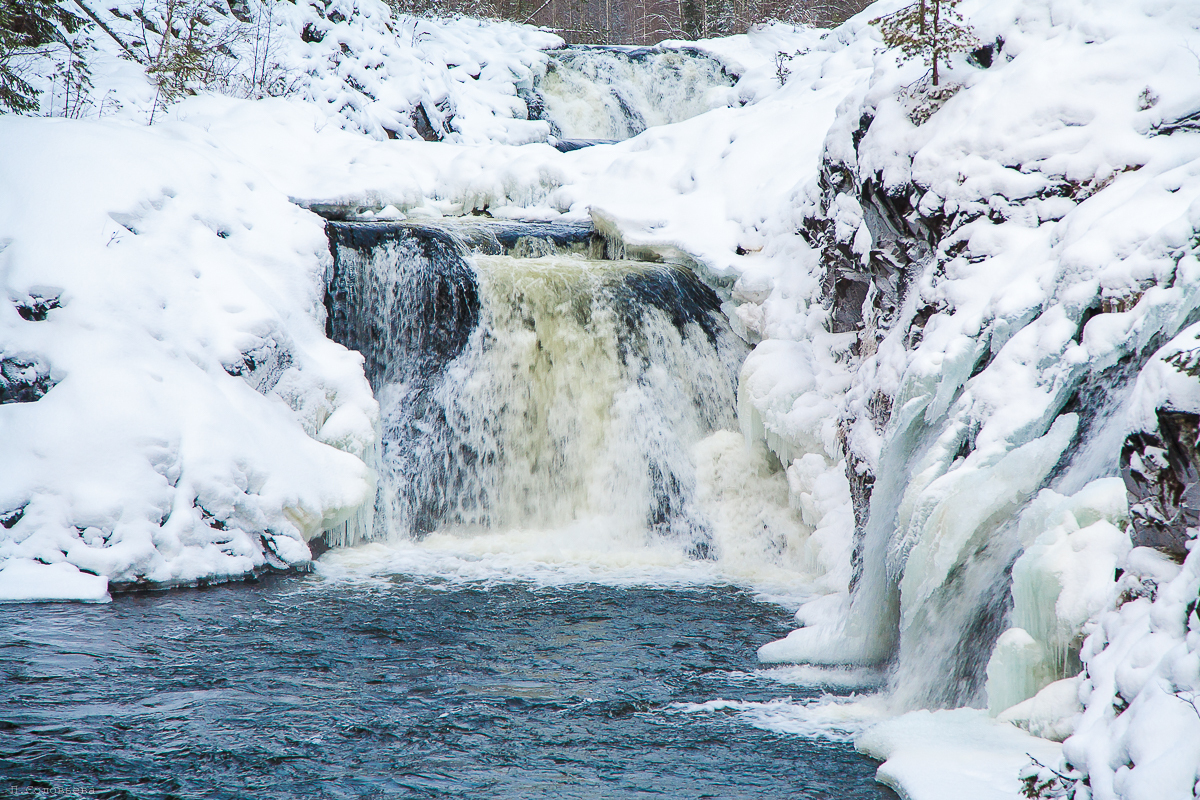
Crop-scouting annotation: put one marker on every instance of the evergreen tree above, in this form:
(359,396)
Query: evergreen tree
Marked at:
(32,28)
(932,29)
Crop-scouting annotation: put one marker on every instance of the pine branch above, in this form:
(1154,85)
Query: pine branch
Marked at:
(111,33)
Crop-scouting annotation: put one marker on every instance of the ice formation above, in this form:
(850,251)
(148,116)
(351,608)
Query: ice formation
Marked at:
(970,308)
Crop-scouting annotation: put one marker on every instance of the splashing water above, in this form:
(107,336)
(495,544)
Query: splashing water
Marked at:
(616,93)
(557,410)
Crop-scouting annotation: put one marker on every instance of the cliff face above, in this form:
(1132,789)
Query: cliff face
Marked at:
(1014,256)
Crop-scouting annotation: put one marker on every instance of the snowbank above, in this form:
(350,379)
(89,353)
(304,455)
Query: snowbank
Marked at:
(1139,736)
(194,423)
(354,62)
(950,755)
(28,580)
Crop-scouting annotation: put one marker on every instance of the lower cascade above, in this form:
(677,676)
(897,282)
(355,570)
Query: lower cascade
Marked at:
(588,399)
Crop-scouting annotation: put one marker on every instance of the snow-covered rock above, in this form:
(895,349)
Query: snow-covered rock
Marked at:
(947,755)
(199,426)
(1139,735)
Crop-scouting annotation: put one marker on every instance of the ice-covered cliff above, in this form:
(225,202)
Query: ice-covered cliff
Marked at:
(1013,260)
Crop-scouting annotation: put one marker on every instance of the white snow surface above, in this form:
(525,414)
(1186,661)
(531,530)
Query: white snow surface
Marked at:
(1139,735)
(175,252)
(353,62)
(172,264)
(23,579)
(950,755)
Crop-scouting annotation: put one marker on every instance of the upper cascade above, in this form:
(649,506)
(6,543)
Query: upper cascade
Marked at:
(615,93)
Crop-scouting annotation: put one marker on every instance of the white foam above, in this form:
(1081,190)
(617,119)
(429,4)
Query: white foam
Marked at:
(828,677)
(833,718)
(548,558)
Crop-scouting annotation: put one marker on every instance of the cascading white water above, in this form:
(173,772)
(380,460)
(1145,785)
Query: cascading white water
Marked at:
(577,396)
(618,92)
(560,407)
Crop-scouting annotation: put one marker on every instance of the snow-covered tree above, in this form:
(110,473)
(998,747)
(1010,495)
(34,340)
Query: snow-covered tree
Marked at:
(932,29)
(32,31)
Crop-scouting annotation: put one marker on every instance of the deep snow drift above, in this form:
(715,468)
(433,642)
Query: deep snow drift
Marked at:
(962,302)
(199,424)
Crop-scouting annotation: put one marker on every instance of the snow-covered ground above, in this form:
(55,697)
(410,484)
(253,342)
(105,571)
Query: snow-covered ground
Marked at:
(199,425)
(962,301)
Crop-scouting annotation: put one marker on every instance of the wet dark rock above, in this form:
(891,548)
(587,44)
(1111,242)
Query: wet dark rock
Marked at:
(241,10)
(983,57)
(900,240)
(1160,470)
(311,33)
(24,379)
(916,326)
(862,484)
(1188,122)
(274,561)
(862,481)
(429,308)
(10,518)
(478,233)
(37,305)
(318,546)
(849,295)
(683,296)
(535,104)
(424,126)
(262,366)
(524,239)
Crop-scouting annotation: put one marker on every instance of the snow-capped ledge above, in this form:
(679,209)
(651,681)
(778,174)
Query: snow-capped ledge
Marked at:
(952,755)
(23,579)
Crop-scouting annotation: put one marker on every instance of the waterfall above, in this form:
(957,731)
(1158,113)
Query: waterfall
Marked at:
(614,93)
(526,385)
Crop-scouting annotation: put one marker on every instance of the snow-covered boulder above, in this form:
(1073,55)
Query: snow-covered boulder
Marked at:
(186,418)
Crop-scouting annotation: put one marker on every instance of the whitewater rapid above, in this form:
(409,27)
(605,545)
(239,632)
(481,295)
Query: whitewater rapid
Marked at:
(555,417)
(615,93)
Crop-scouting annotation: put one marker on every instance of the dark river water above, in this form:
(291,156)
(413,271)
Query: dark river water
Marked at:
(304,688)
